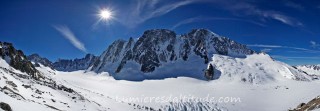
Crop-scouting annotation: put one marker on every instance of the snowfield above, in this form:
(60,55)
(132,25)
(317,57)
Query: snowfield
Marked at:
(254,83)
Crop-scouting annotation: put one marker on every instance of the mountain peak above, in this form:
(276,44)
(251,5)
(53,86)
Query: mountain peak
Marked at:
(158,47)
(201,30)
(158,31)
(89,55)
(36,58)
(157,35)
(35,55)
(18,60)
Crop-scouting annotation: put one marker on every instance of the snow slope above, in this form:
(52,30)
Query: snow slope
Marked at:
(255,69)
(310,69)
(22,92)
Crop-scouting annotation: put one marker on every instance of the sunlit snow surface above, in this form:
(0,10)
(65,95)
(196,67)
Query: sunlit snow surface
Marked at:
(273,87)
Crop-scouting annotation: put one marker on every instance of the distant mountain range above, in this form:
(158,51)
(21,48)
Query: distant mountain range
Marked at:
(64,64)
(313,70)
(156,54)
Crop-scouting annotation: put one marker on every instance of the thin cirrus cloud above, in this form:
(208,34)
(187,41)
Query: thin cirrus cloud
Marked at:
(144,10)
(285,19)
(286,47)
(67,33)
(251,9)
(266,50)
(294,58)
(201,19)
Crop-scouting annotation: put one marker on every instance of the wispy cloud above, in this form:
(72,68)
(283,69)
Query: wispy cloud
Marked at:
(265,46)
(144,10)
(286,47)
(294,58)
(280,57)
(293,5)
(251,9)
(314,44)
(67,33)
(201,19)
(266,50)
(284,19)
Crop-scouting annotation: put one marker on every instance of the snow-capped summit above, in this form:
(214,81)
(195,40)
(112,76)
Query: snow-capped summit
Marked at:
(157,48)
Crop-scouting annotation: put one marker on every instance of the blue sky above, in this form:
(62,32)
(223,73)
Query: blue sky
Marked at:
(289,30)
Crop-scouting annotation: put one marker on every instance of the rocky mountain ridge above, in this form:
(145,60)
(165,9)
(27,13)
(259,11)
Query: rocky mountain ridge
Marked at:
(16,59)
(158,47)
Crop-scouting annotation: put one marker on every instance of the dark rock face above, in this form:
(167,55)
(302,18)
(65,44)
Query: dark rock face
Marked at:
(38,59)
(111,55)
(159,46)
(128,54)
(154,46)
(313,104)
(5,106)
(17,59)
(209,72)
(76,64)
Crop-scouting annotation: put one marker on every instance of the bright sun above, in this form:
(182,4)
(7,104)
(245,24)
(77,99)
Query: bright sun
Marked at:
(105,14)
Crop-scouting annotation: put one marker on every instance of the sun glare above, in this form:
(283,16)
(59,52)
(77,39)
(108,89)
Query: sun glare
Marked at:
(105,14)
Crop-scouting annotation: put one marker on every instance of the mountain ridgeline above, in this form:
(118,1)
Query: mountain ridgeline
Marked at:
(74,65)
(157,54)
(64,64)
(164,49)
